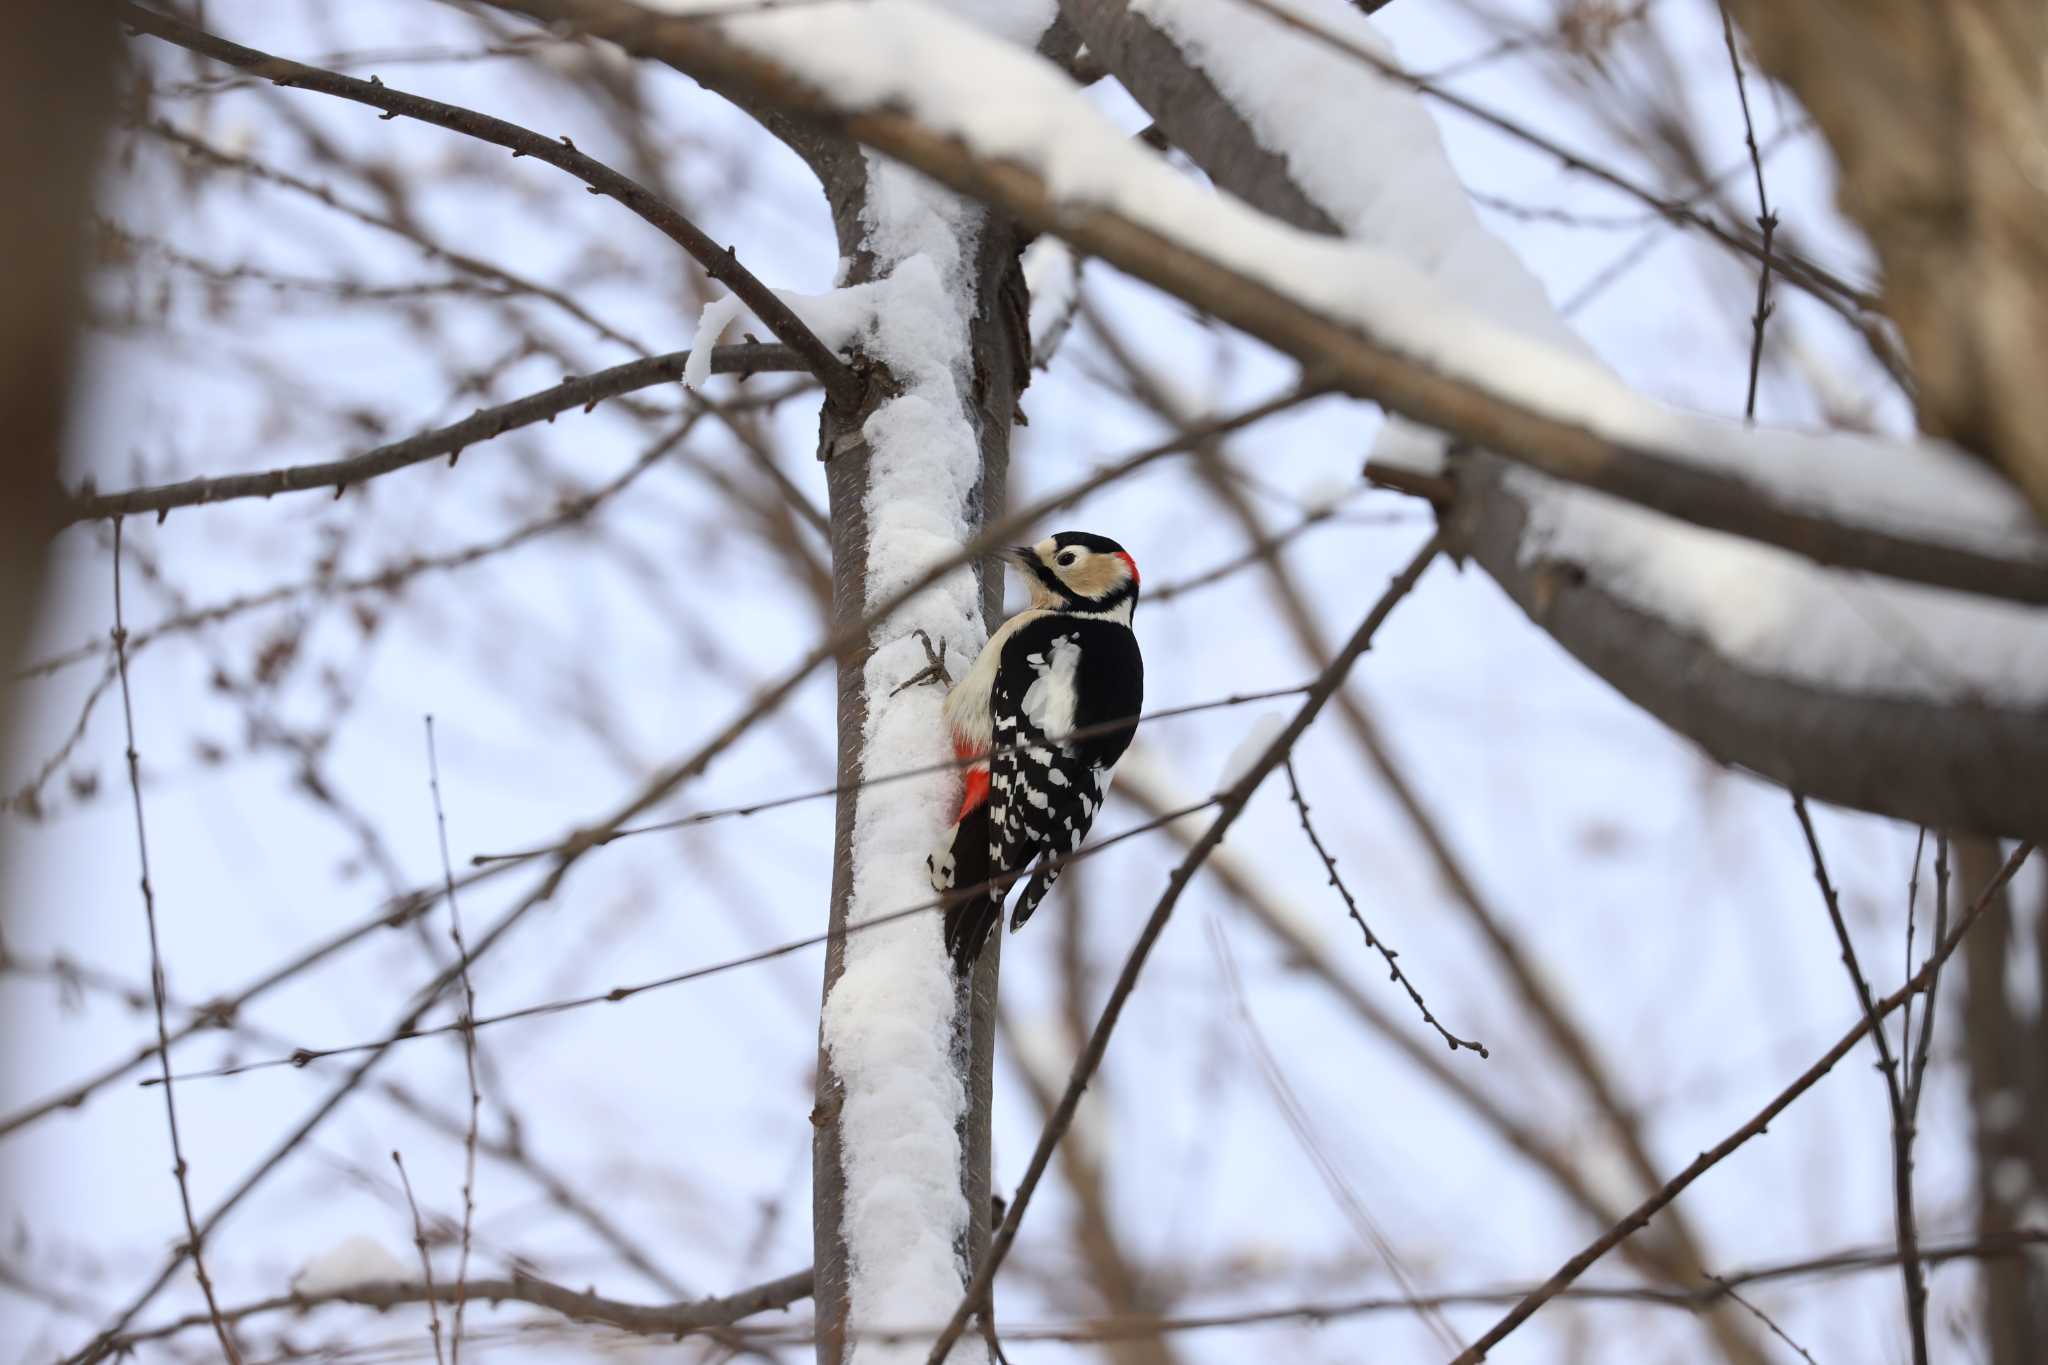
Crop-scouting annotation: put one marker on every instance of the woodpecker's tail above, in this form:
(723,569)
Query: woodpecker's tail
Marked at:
(963,862)
(1034,892)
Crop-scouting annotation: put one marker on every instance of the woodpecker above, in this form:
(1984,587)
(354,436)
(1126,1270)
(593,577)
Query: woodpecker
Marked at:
(1045,713)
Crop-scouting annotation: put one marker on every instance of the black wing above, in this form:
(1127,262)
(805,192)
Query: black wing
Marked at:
(1044,792)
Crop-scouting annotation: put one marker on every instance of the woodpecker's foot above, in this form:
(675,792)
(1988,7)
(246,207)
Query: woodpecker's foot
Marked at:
(934,670)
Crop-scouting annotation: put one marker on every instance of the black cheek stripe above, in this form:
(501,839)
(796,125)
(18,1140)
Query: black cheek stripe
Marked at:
(1050,579)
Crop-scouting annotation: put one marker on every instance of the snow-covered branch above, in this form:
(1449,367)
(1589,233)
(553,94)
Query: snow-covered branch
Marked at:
(1008,127)
(1827,681)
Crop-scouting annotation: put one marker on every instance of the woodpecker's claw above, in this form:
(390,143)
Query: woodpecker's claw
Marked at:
(934,670)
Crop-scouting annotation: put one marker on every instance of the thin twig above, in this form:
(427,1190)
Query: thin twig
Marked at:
(718,262)
(1640,1216)
(419,1240)
(1372,940)
(1894,1084)
(28,797)
(1764,1318)
(468,1023)
(1912,904)
(1766,221)
(1917,1069)
(1232,804)
(157,984)
(1604,278)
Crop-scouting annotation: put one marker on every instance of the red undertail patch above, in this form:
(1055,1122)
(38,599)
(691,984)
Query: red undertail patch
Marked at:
(976,793)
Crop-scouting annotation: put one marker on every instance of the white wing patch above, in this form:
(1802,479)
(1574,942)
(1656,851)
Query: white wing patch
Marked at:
(1050,700)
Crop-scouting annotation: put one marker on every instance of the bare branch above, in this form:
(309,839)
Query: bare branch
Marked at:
(196,1244)
(468,1028)
(674,1321)
(392,576)
(584,392)
(1766,221)
(419,1241)
(1372,940)
(1766,1320)
(701,1316)
(1894,1084)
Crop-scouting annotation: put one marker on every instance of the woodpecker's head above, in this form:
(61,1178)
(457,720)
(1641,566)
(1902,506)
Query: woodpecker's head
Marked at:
(1074,571)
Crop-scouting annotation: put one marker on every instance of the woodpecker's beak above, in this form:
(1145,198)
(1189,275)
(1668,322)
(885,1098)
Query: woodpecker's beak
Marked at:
(1023,556)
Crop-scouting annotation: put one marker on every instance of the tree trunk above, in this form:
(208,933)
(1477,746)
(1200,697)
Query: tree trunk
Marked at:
(53,107)
(1000,346)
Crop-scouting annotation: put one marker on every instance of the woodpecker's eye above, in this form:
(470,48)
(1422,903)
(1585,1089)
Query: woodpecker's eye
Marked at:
(1067,558)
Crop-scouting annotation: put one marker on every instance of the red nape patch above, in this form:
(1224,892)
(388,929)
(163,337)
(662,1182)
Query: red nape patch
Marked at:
(976,793)
(1130,564)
